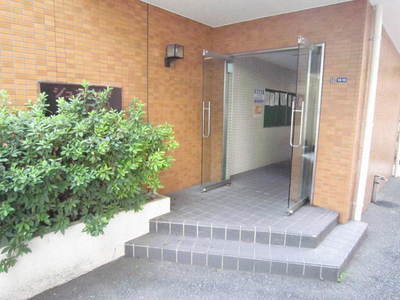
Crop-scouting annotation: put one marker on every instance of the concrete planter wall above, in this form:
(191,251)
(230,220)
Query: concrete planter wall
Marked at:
(57,258)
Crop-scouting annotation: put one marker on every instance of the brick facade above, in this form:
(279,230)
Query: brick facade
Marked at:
(387,114)
(106,43)
(342,28)
(109,43)
(175,93)
(103,42)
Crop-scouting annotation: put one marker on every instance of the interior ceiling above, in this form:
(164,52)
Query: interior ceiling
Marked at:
(284,59)
(217,13)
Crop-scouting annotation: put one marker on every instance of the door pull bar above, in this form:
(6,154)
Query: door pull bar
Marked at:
(208,109)
(301,110)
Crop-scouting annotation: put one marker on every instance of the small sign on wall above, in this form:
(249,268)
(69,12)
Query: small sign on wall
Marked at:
(258,103)
(55,90)
(338,80)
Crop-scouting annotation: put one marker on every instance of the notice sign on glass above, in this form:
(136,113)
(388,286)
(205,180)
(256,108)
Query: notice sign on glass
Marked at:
(277,109)
(55,90)
(258,103)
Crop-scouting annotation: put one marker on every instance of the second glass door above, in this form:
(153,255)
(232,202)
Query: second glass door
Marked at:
(305,122)
(216,90)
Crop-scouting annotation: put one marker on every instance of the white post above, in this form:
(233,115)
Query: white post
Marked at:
(396,167)
(369,120)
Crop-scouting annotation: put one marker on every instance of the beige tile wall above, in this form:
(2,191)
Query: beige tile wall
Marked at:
(175,93)
(387,114)
(106,42)
(342,28)
(103,42)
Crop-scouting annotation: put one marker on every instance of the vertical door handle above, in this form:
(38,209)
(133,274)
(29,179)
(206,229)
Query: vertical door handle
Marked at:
(206,108)
(209,119)
(294,110)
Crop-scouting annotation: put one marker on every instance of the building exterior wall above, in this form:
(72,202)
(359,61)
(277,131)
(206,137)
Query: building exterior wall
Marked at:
(108,43)
(387,113)
(363,91)
(103,42)
(175,93)
(122,43)
(342,28)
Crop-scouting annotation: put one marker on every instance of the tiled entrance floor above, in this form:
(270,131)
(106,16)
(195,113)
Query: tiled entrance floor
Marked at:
(256,201)
(245,227)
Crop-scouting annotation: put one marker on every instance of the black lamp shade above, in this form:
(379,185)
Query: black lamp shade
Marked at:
(173,52)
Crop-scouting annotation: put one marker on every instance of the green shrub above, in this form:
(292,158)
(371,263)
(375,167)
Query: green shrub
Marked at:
(86,163)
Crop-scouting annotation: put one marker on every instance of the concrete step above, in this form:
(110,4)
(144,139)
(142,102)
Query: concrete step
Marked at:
(325,262)
(296,232)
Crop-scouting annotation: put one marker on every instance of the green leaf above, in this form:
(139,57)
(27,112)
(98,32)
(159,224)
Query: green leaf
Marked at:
(86,163)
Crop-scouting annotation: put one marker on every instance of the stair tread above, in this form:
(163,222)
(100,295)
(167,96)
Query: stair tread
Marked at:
(333,251)
(297,224)
(293,231)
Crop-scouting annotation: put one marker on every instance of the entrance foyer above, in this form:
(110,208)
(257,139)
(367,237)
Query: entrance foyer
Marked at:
(245,227)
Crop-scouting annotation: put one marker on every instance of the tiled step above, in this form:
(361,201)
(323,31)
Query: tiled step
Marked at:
(326,261)
(296,233)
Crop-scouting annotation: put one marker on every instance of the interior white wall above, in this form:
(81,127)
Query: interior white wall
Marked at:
(249,145)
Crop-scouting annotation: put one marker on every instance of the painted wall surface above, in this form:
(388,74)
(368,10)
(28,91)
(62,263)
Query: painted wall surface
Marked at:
(250,145)
(342,27)
(57,258)
(387,114)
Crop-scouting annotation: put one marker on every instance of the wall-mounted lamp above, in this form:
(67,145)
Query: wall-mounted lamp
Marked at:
(172,53)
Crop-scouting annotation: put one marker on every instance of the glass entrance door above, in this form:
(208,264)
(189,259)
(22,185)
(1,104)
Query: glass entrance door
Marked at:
(304,123)
(217,78)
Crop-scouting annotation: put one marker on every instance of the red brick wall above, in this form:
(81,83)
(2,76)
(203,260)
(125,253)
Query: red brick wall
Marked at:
(342,28)
(105,42)
(387,113)
(175,93)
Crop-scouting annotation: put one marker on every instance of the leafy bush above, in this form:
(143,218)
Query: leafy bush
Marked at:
(85,163)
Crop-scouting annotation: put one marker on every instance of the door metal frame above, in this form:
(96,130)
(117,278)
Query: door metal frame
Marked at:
(206,188)
(271,50)
(292,209)
(321,84)
(229,58)
(216,54)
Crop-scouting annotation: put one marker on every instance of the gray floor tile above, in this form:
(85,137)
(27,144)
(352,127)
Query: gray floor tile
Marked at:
(278,268)
(184,257)
(262,266)
(199,259)
(169,255)
(215,261)
(230,263)
(140,251)
(246,264)
(257,198)
(155,253)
